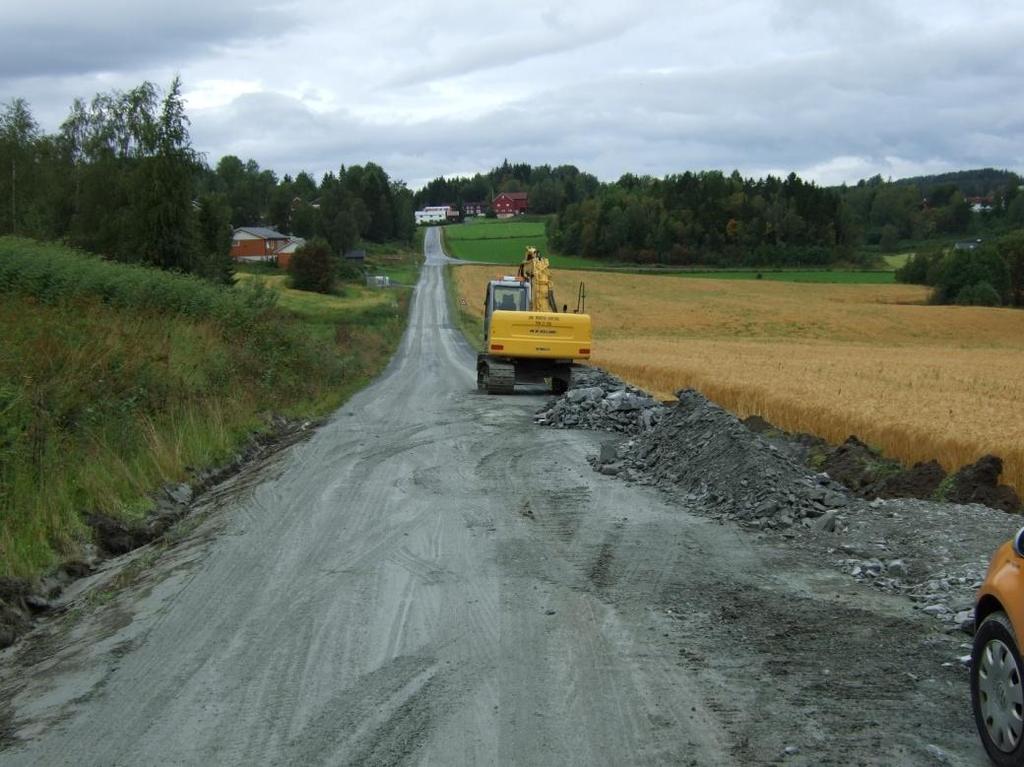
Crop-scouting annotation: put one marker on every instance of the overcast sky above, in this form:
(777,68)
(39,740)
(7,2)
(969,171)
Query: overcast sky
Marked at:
(836,91)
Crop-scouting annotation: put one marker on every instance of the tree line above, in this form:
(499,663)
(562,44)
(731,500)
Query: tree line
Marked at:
(121,178)
(550,189)
(710,218)
(357,202)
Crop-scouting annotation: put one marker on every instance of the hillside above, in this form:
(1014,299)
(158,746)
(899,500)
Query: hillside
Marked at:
(116,379)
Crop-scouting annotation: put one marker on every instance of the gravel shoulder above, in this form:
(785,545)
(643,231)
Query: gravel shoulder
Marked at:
(432,578)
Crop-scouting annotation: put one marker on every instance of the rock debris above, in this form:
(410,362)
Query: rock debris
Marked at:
(934,553)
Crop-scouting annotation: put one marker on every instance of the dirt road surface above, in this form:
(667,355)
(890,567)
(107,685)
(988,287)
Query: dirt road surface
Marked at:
(432,579)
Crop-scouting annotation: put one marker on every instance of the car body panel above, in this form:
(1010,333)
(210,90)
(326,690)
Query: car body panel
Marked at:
(1004,583)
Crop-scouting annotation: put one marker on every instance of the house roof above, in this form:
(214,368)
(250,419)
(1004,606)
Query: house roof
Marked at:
(262,232)
(967,244)
(293,244)
(513,195)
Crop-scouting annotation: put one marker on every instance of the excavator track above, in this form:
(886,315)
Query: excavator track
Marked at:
(499,378)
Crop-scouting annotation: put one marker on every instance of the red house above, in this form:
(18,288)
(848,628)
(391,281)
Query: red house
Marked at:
(256,243)
(510,204)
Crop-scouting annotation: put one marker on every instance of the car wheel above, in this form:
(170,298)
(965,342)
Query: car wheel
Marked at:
(997,695)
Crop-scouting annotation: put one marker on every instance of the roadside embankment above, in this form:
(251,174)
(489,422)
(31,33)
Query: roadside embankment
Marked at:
(117,382)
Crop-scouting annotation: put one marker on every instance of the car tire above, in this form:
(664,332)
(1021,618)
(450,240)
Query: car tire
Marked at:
(997,690)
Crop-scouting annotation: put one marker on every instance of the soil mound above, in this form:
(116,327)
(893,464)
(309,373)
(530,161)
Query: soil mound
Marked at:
(920,481)
(758,425)
(979,483)
(857,466)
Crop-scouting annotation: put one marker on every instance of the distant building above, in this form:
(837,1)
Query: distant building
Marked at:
(474,209)
(433,214)
(509,204)
(356,256)
(980,204)
(256,243)
(285,252)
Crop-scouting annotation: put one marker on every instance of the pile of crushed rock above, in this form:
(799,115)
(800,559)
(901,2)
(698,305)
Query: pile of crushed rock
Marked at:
(601,401)
(760,478)
(705,451)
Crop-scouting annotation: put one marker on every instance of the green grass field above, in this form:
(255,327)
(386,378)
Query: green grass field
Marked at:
(505,242)
(490,229)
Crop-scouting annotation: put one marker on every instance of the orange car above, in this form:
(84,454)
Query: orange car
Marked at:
(997,695)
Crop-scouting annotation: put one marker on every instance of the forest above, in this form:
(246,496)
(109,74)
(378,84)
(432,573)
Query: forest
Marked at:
(121,178)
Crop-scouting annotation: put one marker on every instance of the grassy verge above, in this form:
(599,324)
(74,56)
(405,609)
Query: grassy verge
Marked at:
(115,380)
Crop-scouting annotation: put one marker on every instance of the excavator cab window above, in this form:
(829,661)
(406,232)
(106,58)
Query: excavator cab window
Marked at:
(511,299)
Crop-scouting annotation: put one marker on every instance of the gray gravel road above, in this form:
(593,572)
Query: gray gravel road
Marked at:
(432,579)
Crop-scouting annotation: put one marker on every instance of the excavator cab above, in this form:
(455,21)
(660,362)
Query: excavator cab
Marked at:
(507,295)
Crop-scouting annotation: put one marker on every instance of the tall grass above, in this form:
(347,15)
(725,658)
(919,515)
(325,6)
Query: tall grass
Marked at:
(52,274)
(124,379)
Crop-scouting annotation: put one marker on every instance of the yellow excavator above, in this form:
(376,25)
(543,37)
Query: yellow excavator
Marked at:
(526,338)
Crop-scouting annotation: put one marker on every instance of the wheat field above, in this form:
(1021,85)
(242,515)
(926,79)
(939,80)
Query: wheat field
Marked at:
(917,381)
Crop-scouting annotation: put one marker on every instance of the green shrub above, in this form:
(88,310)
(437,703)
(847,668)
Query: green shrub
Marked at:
(313,267)
(979,294)
(968,268)
(920,268)
(349,271)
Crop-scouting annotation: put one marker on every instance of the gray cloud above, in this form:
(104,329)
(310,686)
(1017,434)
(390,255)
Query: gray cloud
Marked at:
(62,38)
(500,52)
(760,85)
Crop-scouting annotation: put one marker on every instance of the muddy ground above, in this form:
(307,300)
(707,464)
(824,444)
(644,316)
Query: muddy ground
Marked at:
(432,578)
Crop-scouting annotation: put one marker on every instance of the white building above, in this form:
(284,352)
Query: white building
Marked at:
(432,214)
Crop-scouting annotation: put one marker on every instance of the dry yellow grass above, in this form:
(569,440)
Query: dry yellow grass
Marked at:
(917,381)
